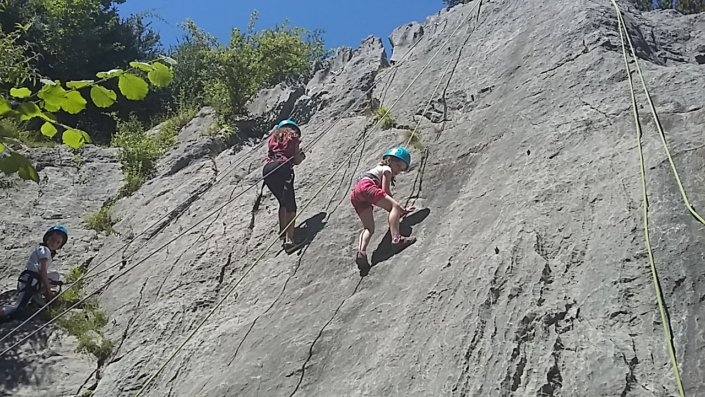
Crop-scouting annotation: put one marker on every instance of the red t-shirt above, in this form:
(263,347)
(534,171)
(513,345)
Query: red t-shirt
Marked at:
(281,150)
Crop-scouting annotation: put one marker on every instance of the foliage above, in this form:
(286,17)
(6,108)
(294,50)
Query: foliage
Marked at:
(382,113)
(139,153)
(12,129)
(54,96)
(176,120)
(453,3)
(73,39)
(682,6)
(15,63)
(414,139)
(87,322)
(102,220)
(230,74)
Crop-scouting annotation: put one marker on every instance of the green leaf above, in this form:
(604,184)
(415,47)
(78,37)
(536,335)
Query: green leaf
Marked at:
(50,107)
(110,73)
(20,92)
(74,102)
(49,130)
(47,82)
(4,106)
(102,97)
(16,162)
(74,138)
(161,76)
(9,164)
(77,85)
(53,96)
(86,137)
(133,87)
(28,111)
(2,147)
(144,66)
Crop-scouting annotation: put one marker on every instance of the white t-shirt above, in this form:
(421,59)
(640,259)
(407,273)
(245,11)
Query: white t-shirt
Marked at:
(376,174)
(41,252)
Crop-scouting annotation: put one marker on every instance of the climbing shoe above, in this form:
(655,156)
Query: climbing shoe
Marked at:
(362,264)
(290,247)
(401,241)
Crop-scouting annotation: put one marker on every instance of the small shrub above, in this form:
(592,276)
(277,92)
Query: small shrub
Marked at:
(174,122)
(414,139)
(34,139)
(87,322)
(131,183)
(101,221)
(383,114)
(139,152)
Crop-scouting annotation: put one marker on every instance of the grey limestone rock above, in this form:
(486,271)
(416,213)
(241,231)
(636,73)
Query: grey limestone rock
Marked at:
(530,276)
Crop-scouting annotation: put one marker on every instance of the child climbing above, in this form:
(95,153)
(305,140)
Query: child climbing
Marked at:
(284,154)
(374,189)
(36,277)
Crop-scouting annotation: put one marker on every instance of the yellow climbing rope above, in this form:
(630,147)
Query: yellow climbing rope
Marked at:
(657,286)
(275,240)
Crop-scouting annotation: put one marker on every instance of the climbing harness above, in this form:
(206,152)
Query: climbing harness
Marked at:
(121,263)
(657,286)
(274,240)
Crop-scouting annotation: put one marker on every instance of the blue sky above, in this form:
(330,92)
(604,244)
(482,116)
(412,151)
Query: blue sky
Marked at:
(346,22)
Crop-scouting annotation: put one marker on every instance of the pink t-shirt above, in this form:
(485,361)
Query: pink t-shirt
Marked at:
(281,150)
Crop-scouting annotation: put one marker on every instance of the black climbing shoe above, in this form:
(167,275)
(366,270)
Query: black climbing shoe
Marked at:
(290,247)
(362,264)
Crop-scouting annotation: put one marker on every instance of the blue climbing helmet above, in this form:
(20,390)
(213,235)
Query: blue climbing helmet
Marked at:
(57,229)
(291,123)
(400,153)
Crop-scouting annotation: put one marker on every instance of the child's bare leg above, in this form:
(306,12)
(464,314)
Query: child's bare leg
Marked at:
(290,229)
(395,213)
(283,221)
(368,223)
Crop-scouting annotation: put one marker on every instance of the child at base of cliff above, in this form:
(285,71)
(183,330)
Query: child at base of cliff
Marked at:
(374,189)
(35,278)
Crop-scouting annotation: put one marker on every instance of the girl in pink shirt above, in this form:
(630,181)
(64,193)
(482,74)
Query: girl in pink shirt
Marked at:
(284,153)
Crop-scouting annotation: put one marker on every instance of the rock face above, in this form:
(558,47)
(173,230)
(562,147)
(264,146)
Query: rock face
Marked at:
(530,276)
(71,187)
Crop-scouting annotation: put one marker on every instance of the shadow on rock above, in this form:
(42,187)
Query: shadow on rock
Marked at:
(308,229)
(385,250)
(15,367)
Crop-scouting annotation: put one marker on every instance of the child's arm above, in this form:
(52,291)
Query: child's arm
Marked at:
(298,154)
(386,182)
(44,276)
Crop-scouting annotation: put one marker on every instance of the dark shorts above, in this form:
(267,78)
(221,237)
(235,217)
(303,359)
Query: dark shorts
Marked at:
(281,183)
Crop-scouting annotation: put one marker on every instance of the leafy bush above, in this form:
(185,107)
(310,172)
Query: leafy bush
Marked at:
(230,74)
(53,97)
(682,6)
(139,153)
(101,221)
(174,122)
(383,114)
(14,130)
(87,322)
